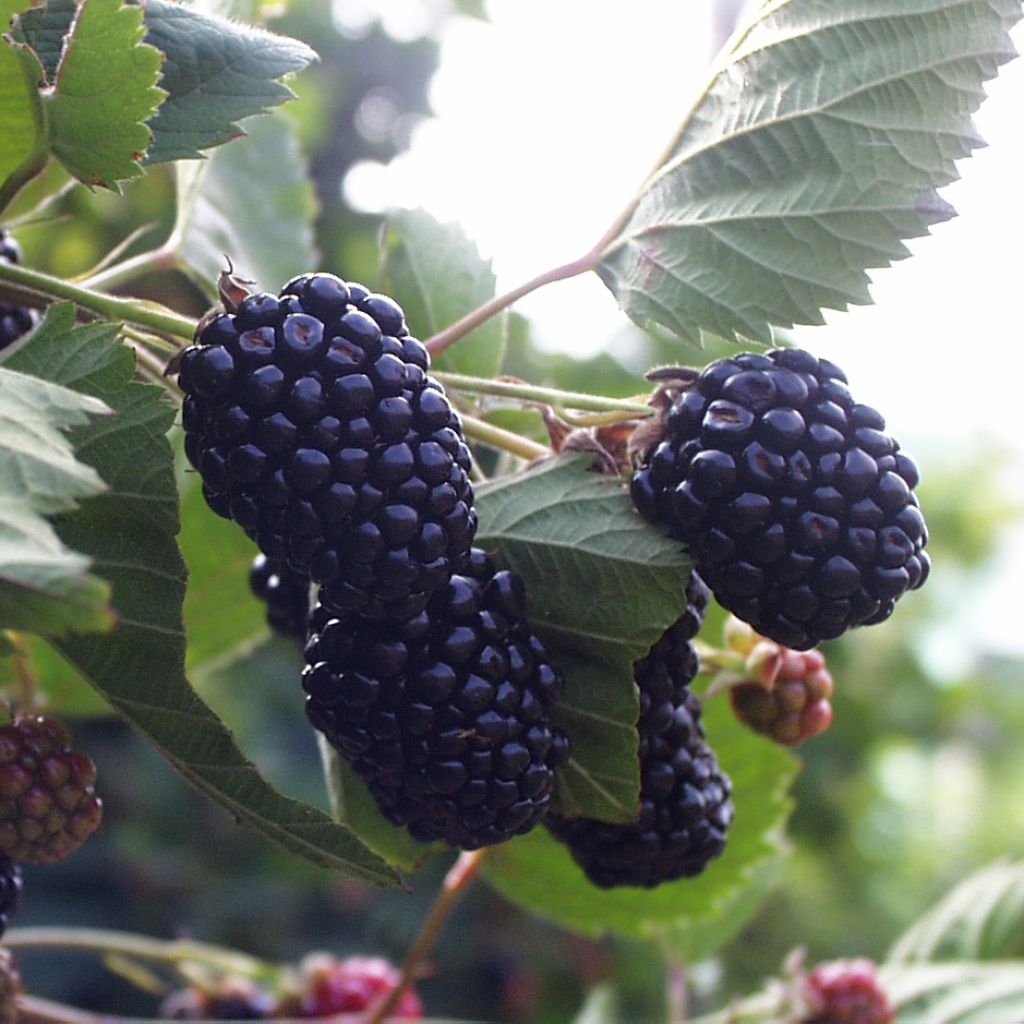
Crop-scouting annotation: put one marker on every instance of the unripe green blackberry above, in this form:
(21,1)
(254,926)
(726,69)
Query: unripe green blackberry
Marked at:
(685,810)
(10,891)
(14,320)
(314,425)
(445,716)
(48,806)
(795,504)
(10,988)
(285,593)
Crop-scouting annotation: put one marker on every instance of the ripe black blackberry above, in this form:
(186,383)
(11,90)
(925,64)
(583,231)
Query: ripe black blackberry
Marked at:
(445,716)
(14,320)
(314,425)
(285,593)
(685,810)
(10,890)
(795,504)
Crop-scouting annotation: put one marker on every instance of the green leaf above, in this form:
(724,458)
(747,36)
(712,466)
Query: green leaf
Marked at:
(602,587)
(216,72)
(105,89)
(955,992)
(44,585)
(816,147)
(981,919)
(129,531)
(695,915)
(353,805)
(18,123)
(438,276)
(43,29)
(254,201)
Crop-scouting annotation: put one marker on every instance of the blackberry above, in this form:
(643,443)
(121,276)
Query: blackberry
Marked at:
(331,986)
(315,426)
(445,716)
(685,810)
(229,998)
(14,320)
(48,806)
(795,504)
(10,890)
(285,593)
(845,992)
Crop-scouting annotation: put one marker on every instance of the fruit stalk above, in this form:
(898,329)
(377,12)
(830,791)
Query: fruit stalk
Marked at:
(37,288)
(529,393)
(459,878)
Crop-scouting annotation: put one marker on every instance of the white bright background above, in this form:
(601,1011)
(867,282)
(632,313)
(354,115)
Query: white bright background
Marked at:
(549,117)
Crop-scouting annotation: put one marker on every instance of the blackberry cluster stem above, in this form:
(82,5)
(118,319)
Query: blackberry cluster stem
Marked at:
(460,876)
(37,288)
(530,393)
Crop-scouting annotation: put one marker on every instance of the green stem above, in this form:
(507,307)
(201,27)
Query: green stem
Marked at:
(25,686)
(33,165)
(529,393)
(458,330)
(458,879)
(39,288)
(503,440)
(144,263)
(100,940)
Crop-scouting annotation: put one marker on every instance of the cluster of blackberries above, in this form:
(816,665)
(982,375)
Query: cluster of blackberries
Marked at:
(685,810)
(795,504)
(314,424)
(446,716)
(14,320)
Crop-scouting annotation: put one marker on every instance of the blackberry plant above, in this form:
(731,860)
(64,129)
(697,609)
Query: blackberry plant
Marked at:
(457,698)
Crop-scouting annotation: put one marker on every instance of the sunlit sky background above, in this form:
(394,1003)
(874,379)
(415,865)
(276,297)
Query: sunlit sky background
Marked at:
(549,116)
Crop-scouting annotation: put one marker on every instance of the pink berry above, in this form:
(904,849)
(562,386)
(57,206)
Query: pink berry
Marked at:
(845,992)
(350,986)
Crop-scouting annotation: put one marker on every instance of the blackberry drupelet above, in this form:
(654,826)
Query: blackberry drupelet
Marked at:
(48,806)
(795,504)
(445,716)
(10,891)
(314,425)
(685,810)
(14,320)
(285,593)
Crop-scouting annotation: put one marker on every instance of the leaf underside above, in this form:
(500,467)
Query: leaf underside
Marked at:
(602,587)
(816,148)
(44,584)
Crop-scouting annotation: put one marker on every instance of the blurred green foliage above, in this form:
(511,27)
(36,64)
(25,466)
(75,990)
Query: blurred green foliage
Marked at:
(915,785)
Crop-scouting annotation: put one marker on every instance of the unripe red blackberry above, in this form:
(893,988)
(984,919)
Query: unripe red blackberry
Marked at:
(314,425)
(10,988)
(285,593)
(10,891)
(331,986)
(14,320)
(795,504)
(845,992)
(48,806)
(685,810)
(445,716)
